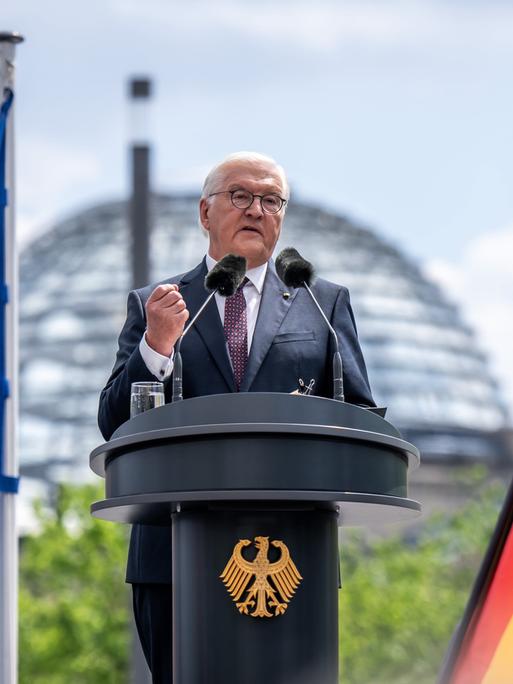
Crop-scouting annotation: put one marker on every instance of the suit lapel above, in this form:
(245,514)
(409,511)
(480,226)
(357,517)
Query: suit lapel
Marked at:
(208,325)
(273,309)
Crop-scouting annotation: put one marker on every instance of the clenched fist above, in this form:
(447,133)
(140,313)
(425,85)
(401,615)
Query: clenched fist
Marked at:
(166,315)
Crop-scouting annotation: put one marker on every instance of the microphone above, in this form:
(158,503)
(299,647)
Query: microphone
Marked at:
(225,278)
(298,272)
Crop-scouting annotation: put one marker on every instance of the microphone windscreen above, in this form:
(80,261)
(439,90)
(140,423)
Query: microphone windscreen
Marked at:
(227,275)
(293,269)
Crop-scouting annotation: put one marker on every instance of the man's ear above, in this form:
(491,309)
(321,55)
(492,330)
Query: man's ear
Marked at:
(203,213)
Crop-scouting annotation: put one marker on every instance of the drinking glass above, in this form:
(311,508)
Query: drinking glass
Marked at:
(145,396)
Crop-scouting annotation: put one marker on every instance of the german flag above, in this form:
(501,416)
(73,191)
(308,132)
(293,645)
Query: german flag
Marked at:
(482,648)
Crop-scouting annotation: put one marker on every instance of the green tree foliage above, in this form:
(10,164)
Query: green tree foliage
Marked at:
(401,602)
(74,604)
(398,608)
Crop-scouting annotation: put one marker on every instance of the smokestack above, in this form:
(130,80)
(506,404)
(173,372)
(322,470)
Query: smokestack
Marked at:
(140,93)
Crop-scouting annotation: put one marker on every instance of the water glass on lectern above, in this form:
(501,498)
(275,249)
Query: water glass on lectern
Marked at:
(145,396)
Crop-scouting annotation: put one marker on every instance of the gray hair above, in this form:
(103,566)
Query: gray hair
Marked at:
(211,181)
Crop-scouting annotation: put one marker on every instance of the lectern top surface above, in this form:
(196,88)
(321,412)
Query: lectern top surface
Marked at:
(258,407)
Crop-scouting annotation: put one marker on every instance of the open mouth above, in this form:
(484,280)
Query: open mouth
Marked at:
(250,229)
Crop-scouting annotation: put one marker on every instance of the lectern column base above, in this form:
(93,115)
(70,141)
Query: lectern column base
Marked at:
(213,641)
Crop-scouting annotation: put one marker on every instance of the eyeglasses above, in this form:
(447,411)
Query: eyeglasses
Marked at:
(242,199)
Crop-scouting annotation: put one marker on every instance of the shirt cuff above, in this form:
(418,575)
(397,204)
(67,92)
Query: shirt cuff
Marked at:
(160,366)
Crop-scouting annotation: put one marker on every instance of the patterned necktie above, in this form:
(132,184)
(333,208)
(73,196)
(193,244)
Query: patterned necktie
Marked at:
(236,332)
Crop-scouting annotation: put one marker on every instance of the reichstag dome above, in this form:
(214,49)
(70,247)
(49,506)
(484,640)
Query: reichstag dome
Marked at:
(423,361)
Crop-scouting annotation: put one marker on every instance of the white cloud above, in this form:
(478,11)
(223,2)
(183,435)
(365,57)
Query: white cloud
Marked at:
(481,282)
(325,25)
(50,177)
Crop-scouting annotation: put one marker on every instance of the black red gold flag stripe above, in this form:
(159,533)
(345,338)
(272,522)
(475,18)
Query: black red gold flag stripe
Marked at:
(482,649)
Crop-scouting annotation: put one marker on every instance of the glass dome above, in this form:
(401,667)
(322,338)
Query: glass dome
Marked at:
(423,361)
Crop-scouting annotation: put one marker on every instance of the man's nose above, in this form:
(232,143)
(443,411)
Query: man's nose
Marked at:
(255,208)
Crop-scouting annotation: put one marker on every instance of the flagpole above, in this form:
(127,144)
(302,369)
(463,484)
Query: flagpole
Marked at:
(9,380)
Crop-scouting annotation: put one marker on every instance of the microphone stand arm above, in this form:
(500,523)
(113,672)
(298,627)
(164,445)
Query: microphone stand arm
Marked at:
(177,361)
(338,383)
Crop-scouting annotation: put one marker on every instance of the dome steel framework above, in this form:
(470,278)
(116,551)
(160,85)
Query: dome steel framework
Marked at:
(423,361)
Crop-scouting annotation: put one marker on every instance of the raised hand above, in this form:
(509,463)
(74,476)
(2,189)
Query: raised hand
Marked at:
(166,315)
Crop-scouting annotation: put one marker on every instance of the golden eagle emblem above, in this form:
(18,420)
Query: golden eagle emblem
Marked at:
(274,583)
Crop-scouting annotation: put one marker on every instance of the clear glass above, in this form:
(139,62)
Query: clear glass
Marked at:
(146,396)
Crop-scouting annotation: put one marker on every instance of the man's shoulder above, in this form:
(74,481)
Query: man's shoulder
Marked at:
(321,285)
(144,292)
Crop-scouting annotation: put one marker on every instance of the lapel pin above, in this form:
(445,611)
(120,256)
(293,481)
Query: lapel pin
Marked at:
(286,295)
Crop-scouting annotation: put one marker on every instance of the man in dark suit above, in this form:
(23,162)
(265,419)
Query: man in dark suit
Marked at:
(263,339)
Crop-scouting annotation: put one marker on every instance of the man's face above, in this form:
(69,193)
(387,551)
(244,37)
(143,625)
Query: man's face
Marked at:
(250,232)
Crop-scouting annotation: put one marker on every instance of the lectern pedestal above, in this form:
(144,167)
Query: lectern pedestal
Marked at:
(213,641)
(254,486)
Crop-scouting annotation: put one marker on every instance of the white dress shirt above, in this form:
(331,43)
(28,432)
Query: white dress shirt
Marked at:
(162,366)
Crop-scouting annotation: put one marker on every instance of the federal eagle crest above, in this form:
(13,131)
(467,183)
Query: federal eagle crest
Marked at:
(274,583)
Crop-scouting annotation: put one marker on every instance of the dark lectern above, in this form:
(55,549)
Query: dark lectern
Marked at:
(254,486)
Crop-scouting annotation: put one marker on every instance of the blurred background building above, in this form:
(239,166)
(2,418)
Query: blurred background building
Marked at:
(423,361)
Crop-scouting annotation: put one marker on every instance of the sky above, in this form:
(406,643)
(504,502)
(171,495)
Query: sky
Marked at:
(397,113)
